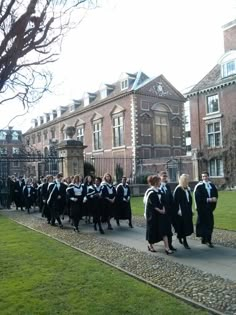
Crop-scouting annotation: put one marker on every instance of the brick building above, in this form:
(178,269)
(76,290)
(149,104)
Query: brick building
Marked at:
(11,145)
(135,119)
(213,116)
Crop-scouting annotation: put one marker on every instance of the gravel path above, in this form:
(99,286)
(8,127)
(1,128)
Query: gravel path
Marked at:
(211,291)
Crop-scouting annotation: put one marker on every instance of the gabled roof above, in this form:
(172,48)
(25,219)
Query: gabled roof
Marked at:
(212,80)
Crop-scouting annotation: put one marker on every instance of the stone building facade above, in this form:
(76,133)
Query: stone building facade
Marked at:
(134,119)
(213,116)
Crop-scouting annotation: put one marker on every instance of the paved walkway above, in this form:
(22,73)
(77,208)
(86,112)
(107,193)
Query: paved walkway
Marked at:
(219,260)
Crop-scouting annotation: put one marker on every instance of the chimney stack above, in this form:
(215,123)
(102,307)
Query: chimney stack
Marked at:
(229,36)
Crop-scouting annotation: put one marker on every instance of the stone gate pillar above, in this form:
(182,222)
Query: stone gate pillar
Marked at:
(72,152)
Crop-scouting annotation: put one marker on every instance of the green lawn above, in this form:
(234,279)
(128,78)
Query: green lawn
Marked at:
(39,275)
(225,213)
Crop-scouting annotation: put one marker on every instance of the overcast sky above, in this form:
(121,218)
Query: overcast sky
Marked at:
(181,39)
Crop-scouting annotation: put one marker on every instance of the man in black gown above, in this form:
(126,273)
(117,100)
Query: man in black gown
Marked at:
(206,196)
(168,202)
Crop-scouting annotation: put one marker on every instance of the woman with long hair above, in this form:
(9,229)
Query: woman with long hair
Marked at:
(109,196)
(75,195)
(157,220)
(183,210)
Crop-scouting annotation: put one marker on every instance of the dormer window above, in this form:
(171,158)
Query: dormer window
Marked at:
(3,135)
(124,84)
(212,104)
(229,68)
(228,64)
(103,93)
(86,100)
(15,136)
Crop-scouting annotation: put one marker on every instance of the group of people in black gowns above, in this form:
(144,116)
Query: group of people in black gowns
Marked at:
(23,193)
(166,212)
(95,200)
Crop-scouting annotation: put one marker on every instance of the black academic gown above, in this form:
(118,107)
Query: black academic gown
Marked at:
(205,220)
(75,195)
(56,200)
(123,208)
(169,203)
(108,191)
(184,222)
(158,224)
(18,195)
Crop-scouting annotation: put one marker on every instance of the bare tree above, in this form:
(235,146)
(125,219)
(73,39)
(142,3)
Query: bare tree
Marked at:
(31,33)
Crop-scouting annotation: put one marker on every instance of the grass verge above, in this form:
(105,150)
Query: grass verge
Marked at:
(42,276)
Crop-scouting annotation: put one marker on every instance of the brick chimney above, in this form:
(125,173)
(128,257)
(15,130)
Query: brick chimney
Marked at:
(229,36)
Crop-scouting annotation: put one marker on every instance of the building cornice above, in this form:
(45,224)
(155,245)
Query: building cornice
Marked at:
(212,88)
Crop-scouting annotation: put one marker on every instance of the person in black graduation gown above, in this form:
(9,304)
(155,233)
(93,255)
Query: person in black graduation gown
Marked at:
(168,203)
(123,208)
(88,198)
(158,226)
(57,199)
(18,192)
(28,194)
(108,196)
(206,196)
(44,194)
(75,195)
(98,205)
(183,210)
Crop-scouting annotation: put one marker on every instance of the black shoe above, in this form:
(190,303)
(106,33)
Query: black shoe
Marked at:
(203,241)
(180,240)
(53,224)
(101,231)
(168,251)
(61,226)
(210,245)
(186,245)
(130,225)
(172,248)
(76,230)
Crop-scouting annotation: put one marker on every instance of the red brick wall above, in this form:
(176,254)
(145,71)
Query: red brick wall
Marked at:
(230,38)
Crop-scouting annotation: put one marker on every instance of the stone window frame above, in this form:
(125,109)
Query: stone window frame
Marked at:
(97,135)
(213,133)
(213,97)
(215,167)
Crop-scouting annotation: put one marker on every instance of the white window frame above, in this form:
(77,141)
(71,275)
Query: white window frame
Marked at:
(103,93)
(3,150)
(3,135)
(119,129)
(214,96)
(213,122)
(124,84)
(97,135)
(218,169)
(15,150)
(80,133)
(226,72)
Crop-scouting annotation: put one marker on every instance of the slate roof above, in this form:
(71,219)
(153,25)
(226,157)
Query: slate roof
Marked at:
(212,80)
